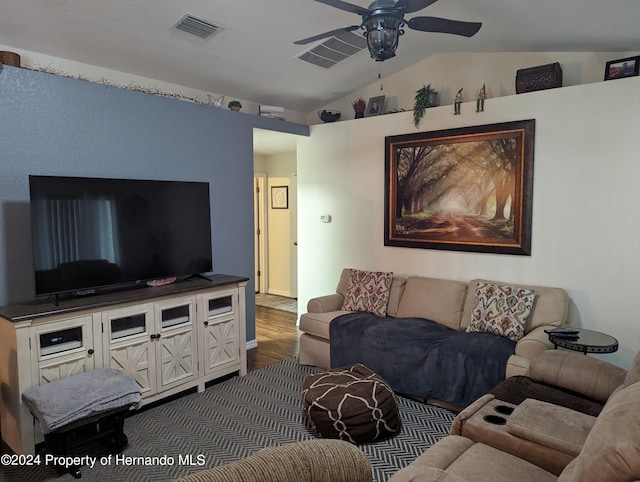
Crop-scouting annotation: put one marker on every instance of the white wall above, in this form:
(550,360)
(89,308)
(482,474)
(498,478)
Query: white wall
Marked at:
(586,228)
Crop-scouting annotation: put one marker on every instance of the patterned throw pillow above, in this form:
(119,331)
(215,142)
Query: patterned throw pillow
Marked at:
(501,310)
(368,291)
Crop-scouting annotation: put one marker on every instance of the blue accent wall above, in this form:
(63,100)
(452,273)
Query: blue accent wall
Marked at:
(52,125)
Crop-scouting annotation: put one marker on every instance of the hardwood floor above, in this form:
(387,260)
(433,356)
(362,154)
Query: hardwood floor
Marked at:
(277,336)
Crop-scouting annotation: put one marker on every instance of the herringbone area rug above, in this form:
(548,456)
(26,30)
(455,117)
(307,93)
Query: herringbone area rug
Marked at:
(233,419)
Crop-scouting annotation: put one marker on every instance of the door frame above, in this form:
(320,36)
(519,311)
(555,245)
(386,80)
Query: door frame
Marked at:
(260,225)
(293,188)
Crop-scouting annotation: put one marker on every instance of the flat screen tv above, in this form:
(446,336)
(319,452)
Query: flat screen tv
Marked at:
(93,234)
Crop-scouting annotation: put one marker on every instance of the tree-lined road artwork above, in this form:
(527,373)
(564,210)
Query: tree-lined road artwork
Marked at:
(450,226)
(462,190)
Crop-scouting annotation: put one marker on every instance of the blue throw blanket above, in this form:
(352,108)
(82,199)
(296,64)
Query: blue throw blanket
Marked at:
(420,357)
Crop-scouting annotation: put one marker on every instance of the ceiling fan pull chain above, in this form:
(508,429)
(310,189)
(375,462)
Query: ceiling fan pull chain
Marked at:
(380,75)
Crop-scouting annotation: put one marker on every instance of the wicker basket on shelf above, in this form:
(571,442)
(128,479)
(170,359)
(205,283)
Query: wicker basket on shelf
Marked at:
(9,58)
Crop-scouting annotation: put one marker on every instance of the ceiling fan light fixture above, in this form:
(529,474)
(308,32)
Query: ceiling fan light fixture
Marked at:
(382,33)
(383,21)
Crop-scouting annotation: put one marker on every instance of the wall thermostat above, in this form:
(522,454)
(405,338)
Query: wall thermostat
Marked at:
(325,218)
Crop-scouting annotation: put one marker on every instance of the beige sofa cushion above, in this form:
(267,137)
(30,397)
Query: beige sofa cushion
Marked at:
(553,426)
(550,307)
(317,324)
(397,290)
(435,299)
(612,450)
(456,459)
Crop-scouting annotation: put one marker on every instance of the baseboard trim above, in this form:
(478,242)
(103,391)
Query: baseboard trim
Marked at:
(252,344)
(288,294)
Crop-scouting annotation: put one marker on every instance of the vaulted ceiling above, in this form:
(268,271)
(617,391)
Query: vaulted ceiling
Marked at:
(252,56)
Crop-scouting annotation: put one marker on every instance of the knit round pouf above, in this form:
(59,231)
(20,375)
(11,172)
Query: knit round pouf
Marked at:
(351,403)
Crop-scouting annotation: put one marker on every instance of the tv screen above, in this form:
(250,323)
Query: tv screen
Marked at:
(93,233)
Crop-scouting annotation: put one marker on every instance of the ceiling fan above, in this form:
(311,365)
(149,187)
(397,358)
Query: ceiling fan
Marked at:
(383,21)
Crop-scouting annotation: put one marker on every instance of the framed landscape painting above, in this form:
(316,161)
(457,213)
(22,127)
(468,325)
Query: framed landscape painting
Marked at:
(466,189)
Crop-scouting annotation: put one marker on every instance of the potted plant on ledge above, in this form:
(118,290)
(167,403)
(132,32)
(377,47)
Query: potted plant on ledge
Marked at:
(359,105)
(235,106)
(425,97)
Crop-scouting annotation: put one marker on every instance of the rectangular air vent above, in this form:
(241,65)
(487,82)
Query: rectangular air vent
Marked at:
(197,26)
(334,50)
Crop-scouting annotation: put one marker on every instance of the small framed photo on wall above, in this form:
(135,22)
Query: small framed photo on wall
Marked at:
(272,111)
(280,197)
(618,69)
(375,105)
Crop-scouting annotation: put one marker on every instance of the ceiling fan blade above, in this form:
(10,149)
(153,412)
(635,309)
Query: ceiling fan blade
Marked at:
(331,33)
(411,6)
(444,25)
(346,6)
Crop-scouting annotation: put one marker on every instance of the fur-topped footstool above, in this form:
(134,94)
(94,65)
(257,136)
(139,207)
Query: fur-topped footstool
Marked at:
(351,403)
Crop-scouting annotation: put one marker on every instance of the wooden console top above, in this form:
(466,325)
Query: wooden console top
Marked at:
(36,309)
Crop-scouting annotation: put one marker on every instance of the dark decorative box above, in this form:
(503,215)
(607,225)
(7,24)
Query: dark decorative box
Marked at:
(539,78)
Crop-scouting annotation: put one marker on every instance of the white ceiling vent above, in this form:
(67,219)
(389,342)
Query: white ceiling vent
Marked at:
(335,49)
(197,26)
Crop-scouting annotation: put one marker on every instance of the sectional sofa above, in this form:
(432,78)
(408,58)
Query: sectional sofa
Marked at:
(452,305)
(547,443)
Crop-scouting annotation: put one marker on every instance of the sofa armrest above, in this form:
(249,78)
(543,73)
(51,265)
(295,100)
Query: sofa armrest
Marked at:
(591,377)
(325,304)
(312,460)
(534,343)
(468,412)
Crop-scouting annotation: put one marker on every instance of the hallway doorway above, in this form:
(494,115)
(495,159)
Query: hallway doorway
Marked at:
(275,218)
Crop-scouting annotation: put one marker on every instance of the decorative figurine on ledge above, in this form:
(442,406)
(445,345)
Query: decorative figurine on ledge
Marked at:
(329,115)
(482,95)
(216,101)
(359,105)
(457,102)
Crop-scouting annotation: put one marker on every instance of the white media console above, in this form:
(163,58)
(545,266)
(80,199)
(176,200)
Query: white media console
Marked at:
(169,338)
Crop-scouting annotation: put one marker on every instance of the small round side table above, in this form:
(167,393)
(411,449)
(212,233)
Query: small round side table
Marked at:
(586,341)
